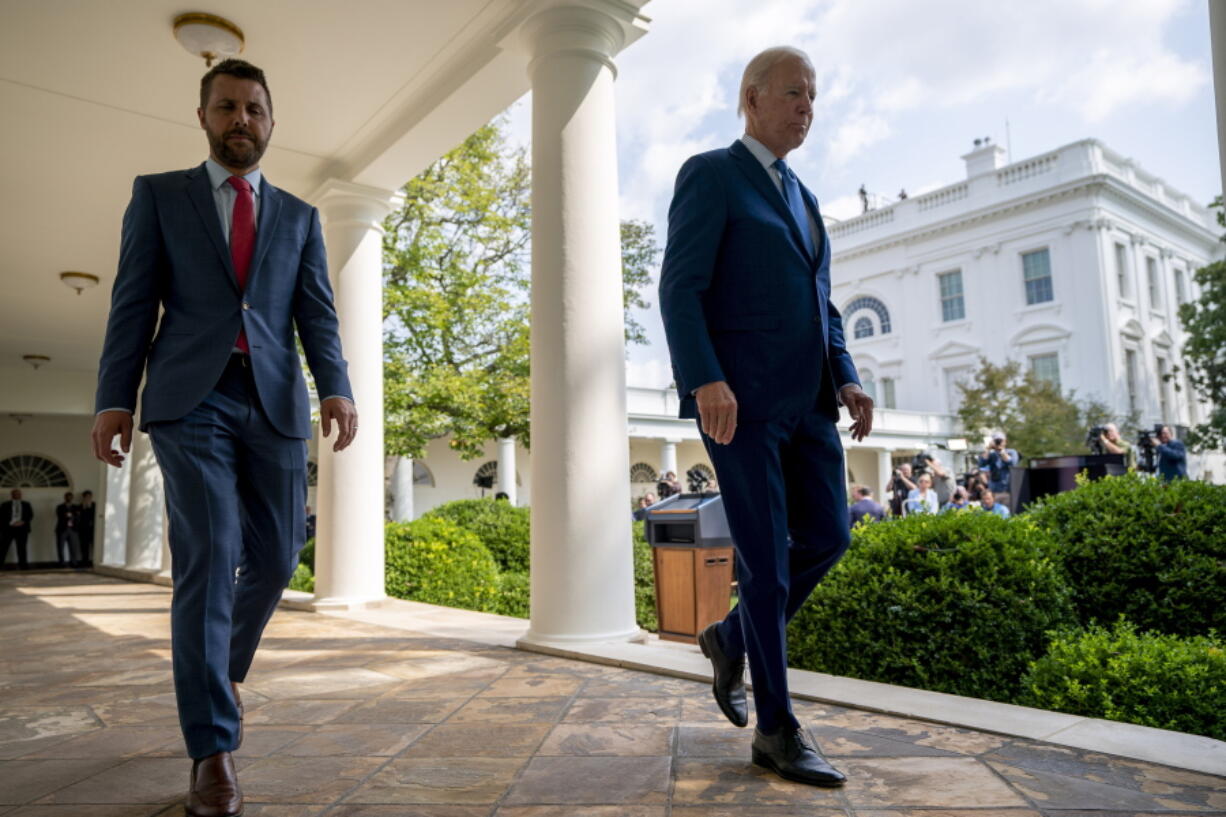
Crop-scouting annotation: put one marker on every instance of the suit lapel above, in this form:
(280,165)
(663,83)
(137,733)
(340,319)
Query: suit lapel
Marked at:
(823,245)
(270,211)
(761,180)
(201,195)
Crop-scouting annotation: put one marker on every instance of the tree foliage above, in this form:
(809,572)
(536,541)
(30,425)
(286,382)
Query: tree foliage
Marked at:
(456,299)
(1035,415)
(1204,352)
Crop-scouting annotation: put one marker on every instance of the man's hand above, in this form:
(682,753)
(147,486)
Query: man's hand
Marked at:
(346,415)
(860,405)
(717,411)
(106,425)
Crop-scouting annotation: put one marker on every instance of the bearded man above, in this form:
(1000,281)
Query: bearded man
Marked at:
(236,268)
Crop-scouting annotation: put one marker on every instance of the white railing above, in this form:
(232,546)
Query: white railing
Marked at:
(871,219)
(1028,169)
(939,198)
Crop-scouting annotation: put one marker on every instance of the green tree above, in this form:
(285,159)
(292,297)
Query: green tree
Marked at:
(456,298)
(1035,415)
(1204,352)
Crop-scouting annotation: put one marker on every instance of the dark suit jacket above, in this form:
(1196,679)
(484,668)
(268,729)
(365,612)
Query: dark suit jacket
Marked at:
(6,512)
(65,517)
(173,255)
(742,299)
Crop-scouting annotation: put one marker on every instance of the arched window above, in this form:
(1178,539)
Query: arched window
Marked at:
(864,327)
(706,470)
(642,472)
(31,471)
(487,475)
(874,305)
(422,475)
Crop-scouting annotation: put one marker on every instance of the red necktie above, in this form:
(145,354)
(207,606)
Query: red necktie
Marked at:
(242,240)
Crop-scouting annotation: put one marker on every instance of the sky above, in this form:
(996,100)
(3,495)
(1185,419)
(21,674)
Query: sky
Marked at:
(904,88)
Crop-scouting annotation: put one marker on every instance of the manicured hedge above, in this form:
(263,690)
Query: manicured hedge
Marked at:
(303,579)
(644,581)
(1124,675)
(503,528)
(956,603)
(514,595)
(1152,551)
(436,561)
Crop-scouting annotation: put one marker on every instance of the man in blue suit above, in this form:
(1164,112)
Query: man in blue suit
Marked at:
(759,359)
(237,269)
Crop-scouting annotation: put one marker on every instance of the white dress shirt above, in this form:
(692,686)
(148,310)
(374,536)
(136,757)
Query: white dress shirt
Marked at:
(224,194)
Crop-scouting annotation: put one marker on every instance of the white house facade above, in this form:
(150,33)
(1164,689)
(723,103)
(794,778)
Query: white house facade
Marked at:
(1073,262)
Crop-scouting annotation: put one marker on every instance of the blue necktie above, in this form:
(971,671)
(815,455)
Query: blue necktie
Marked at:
(791,197)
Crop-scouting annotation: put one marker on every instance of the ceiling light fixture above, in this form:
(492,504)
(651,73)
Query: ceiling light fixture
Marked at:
(80,281)
(208,36)
(36,360)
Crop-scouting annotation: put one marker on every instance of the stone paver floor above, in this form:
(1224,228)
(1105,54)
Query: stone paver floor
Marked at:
(353,720)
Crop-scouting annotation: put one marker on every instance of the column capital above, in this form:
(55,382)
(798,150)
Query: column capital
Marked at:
(596,29)
(342,202)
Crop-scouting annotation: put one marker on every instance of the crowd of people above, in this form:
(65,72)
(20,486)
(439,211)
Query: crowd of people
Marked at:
(74,529)
(926,486)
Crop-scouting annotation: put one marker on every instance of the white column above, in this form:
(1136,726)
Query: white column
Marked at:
(146,508)
(349,495)
(402,490)
(115,515)
(668,457)
(1217,38)
(506,469)
(883,473)
(582,567)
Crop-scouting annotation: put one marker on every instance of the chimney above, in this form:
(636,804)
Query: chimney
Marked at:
(985,158)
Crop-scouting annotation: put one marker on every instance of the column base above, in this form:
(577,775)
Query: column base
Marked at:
(132,574)
(326,604)
(532,640)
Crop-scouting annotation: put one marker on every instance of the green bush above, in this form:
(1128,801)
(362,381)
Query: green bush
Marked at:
(438,562)
(957,603)
(644,581)
(1152,551)
(303,579)
(503,528)
(1123,675)
(307,555)
(513,595)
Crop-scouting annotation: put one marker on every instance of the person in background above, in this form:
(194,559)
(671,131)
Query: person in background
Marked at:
(923,499)
(864,506)
(15,518)
(988,503)
(975,487)
(957,501)
(899,487)
(67,536)
(1113,443)
(645,501)
(996,460)
(1172,456)
(310,523)
(86,520)
(942,480)
(668,485)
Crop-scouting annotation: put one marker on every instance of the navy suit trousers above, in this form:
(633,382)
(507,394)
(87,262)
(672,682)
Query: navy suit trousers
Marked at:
(235,497)
(785,496)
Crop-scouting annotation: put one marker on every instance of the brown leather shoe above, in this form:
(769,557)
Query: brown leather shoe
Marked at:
(214,788)
(239,702)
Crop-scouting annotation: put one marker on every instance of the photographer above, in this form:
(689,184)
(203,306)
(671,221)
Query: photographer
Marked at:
(1172,456)
(899,486)
(668,486)
(942,479)
(1113,443)
(997,458)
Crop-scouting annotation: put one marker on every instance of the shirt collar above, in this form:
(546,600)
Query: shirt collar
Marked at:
(760,151)
(218,175)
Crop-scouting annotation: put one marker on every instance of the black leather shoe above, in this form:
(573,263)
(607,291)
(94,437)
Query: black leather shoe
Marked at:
(789,754)
(729,684)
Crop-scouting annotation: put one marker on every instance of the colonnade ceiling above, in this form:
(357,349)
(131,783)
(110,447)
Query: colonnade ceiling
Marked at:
(95,93)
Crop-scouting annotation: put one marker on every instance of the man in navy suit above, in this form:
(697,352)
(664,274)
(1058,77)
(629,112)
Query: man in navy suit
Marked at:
(759,359)
(237,269)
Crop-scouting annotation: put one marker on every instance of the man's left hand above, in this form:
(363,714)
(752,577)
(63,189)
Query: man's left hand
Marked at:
(346,416)
(860,405)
